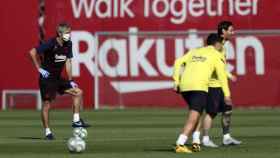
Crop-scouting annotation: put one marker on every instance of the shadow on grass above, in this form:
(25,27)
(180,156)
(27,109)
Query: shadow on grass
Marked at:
(31,138)
(163,149)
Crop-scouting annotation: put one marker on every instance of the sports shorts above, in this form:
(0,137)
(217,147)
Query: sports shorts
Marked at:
(50,87)
(196,100)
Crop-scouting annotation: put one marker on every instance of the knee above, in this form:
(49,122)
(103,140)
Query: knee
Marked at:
(212,115)
(46,105)
(194,116)
(78,93)
(227,113)
(228,110)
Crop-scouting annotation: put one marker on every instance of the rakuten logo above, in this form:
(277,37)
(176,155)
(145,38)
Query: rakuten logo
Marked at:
(132,55)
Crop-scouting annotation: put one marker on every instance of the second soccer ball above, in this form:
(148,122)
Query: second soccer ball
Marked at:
(80,132)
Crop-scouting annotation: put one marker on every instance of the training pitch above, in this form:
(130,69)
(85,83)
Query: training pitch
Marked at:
(135,133)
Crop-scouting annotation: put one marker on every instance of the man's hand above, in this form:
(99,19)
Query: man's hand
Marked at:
(176,88)
(73,84)
(233,78)
(228,101)
(44,73)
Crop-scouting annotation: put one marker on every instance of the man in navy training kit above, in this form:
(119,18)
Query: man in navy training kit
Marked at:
(53,56)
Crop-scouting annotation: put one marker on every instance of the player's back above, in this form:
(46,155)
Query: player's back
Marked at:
(198,69)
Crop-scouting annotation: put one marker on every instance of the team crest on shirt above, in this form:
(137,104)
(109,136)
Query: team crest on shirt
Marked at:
(59,58)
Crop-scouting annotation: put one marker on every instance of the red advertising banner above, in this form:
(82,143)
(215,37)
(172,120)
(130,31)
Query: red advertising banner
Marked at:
(101,15)
(19,33)
(137,70)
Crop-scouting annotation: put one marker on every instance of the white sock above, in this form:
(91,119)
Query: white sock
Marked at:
(196,137)
(76,117)
(227,136)
(205,138)
(48,131)
(182,139)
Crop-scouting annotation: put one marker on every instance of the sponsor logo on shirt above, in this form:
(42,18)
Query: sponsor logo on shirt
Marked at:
(60,58)
(198,59)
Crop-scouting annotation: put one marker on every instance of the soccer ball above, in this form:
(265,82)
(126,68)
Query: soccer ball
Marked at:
(76,145)
(80,132)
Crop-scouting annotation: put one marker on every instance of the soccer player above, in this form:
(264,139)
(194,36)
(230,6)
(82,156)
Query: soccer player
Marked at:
(199,64)
(54,55)
(216,102)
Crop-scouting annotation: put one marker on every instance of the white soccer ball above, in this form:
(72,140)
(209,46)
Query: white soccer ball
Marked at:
(76,144)
(80,132)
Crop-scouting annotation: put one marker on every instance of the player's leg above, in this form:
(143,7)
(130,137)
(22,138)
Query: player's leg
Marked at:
(226,120)
(77,95)
(207,124)
(211,112)
(197,102)
(45,119)
(196,133)
(191,122)
(45,114)
(48,92)
(226,123)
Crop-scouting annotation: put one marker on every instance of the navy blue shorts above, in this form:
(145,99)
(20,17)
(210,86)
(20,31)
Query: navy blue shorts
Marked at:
(216,102)
(197,100)
(50,87)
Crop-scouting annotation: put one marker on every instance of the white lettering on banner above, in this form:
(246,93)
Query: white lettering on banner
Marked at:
(179,15)
(179,49)
(90,7)
(82,4)
(132,54)
(140,86)
(177,11)
(249,42)
(124,9)
(107,13)
(161,58)
(85,58)
(196,9)
(116,6)
(119,47)
(243,7)
(164,11)
(138,55)
(193,41)
(245,4)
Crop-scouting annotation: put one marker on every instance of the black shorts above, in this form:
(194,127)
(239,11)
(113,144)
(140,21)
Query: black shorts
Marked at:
(196,100)
(216,102)
(50,87)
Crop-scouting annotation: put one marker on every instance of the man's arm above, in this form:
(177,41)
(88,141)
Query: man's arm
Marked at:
(37,63)
(231,76)
(177,67)
(34,58)
(222,76)
(69,69)
(69,72)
